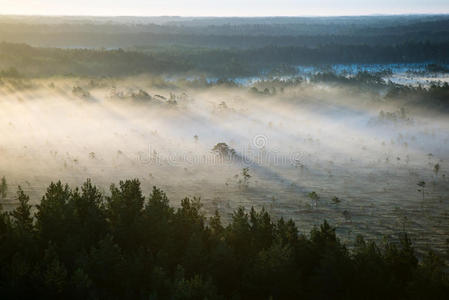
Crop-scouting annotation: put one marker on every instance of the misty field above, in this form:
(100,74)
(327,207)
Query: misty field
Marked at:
(306,151)
(302,154)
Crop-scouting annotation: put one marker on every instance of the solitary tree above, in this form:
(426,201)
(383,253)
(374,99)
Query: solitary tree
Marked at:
(436,169)
(223,150)
(314,197)
(422,186)
(244,182)
(3,188)
(336,200)
(246,176)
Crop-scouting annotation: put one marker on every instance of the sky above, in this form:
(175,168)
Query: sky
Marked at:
(221,8)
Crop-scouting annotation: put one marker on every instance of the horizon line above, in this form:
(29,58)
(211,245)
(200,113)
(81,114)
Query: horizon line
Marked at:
(231,16)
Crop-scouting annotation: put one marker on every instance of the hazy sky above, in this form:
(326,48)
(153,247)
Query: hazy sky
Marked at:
(221,8)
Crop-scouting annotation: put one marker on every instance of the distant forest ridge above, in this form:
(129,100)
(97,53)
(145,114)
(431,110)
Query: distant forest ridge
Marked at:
(125,32)
(223,63)
(216,47)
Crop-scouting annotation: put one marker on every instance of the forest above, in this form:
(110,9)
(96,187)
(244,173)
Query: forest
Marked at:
(79,243)
(250,157)
(222,32)
(218,47)
(221,63)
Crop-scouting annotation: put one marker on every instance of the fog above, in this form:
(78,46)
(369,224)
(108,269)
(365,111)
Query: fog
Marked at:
(307,138)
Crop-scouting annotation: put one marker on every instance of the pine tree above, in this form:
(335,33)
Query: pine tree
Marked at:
(3,188)
(23,219)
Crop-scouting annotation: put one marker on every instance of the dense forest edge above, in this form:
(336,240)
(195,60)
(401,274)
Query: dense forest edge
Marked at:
(221,63)
(81,243)
(224,33)
(218,47)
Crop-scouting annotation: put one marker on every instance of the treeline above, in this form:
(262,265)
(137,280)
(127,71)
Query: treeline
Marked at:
(435,96)
(31,61)
(223,33)
(149,40)
(79,243)
(342,54)
(39,62)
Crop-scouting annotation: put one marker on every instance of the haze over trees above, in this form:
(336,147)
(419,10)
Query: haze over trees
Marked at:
(295,157)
